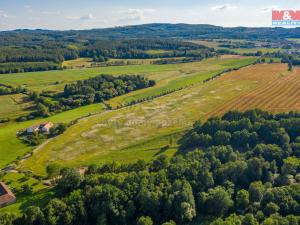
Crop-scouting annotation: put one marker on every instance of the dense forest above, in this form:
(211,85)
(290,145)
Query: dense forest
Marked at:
(26,51)
(242,168)
(37,50)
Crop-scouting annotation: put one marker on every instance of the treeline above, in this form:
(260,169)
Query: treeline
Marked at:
(243,168)
(7,90)
(20,67)
(43,53)
(177,60)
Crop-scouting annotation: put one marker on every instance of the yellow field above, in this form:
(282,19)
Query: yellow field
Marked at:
(276,94)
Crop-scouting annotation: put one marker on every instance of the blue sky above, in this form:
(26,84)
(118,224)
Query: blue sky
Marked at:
(80,14)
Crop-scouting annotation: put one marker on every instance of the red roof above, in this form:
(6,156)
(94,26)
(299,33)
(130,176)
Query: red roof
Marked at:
(6,196)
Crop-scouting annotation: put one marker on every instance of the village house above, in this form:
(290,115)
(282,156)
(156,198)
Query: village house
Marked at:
(6,196)
(33,129)
(43,128)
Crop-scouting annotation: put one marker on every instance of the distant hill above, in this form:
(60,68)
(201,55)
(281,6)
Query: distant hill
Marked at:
(165,30)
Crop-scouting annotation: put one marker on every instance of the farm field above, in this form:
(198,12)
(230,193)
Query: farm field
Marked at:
(119,134)
(11,147)
(215,44)
(189,73)
(56,80)
(13,106)
(78,63)
(276,95)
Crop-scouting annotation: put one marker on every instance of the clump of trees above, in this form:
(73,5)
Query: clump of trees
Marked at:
(242,168)
(101,88)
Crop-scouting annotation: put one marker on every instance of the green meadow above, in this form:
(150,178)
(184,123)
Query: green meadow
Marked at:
(56,80)
(11,147)
(168,77)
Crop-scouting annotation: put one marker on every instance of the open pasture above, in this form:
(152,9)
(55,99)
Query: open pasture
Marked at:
(56,80)
(123,134)
(11,147)
(13,106)
(181,75)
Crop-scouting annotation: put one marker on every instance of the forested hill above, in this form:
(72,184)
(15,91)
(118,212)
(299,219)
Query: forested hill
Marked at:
(159,30)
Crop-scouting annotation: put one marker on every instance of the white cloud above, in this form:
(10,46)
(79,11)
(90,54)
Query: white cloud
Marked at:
(84,17)
(87,17)
(224,7)
(269,8)
(131,15)
(51,13)
(3,14)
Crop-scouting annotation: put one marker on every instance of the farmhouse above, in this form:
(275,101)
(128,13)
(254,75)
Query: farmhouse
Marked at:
(43,128)
(32,129)
(6,196)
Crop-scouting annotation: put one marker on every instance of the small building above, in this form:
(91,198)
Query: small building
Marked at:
(6,196)
(32,129)
(45,127)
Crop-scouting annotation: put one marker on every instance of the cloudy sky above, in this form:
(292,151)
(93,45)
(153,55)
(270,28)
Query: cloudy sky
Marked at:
(80,14)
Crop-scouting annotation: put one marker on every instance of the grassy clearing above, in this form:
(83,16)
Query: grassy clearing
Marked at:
(157,52)
(78,63)
(254,50)
(13,106)
(11,147)
(119,134)
(15,181)
(296,40)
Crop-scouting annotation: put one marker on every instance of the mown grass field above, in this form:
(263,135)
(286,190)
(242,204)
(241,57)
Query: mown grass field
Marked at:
(78,63)
(215,44)
(143,130)
(13,106)
(168,77)
(56,80)
(11,147)
(187,75)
